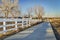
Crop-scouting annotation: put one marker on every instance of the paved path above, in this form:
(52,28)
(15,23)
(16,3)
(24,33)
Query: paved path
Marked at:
(41,31)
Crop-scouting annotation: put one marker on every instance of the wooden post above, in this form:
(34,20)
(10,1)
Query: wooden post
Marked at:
(26,23)
(29,22)
(16,25)
(22,23)
(4,28)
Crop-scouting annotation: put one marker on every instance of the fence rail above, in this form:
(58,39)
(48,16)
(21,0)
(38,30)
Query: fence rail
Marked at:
(15,24)
(23,22)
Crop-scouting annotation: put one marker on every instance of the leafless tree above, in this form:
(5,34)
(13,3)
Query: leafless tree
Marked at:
(39,11)
(29,12)
(10,8)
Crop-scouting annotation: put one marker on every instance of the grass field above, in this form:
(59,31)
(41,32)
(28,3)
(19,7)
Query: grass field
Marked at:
(56,27)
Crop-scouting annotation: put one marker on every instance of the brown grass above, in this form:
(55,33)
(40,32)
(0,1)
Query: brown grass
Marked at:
(56,27)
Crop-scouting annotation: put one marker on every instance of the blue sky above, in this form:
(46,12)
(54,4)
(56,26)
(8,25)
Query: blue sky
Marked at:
(51,7)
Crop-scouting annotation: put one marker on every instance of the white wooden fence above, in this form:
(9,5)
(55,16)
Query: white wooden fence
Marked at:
(25,21)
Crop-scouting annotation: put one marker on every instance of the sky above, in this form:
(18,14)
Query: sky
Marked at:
(51,7)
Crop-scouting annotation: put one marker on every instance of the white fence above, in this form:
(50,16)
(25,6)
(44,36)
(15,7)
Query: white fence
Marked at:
(24,22)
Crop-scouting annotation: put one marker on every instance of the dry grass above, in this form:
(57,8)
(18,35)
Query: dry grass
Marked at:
(10,22)
(56,26)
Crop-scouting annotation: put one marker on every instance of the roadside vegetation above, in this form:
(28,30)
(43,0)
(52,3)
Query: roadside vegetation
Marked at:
(56,27)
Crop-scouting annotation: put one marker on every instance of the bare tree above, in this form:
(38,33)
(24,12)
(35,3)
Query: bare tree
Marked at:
(39,11)
(10,7)
(29,12)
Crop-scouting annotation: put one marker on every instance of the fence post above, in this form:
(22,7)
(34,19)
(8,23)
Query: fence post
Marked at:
(29,21)
(22,23)
(4,28)
(26,23)
(16,25)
